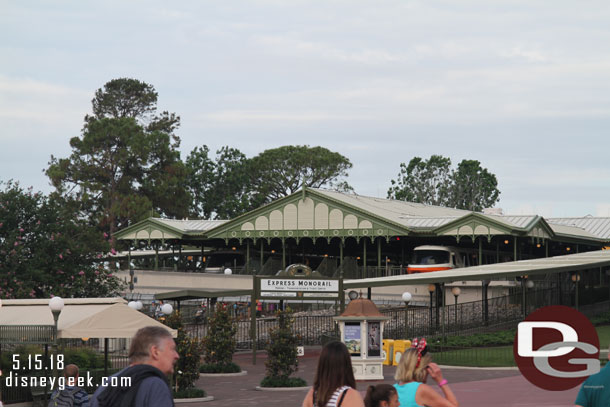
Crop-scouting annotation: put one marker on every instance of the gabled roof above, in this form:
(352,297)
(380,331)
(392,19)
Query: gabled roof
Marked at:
(316,213)
(595,226)
(157,228)
(319,213)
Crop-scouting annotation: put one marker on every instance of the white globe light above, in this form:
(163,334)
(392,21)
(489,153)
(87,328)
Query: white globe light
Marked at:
(529,284)
(406,296)
(167,309)
(139,305)
(456,291)
(132,305)
(228,271)
(56,304)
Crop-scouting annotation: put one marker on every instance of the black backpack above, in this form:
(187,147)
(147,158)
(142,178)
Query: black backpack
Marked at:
(63,398)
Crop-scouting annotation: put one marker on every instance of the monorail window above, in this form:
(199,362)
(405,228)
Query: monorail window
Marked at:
(423,257)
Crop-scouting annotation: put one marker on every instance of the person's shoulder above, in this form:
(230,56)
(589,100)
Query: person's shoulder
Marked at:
(352,398)
(152,381)
(308,400)
(423,388)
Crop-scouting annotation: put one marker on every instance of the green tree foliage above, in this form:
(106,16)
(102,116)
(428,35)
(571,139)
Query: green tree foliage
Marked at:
(434,182)
(126,162)
(220,188)
(281,171)
(423,181)
(45,249)
(189,349)
(219,344)
(232,184)
(282,360)
(473,187)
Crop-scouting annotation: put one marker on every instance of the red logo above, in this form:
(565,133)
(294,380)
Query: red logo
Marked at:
(556,348)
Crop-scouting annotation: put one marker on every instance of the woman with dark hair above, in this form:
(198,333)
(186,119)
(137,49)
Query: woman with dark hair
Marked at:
(334,384)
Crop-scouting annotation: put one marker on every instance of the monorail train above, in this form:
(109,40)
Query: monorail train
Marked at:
(434,258)
(437,258)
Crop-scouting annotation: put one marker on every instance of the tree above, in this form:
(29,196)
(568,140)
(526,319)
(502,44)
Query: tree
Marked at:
(233,184)
(433,182)
(281,171)
(282,360)
(190,350)
(220,189)
(220,344)
(46,250)
(423,181)
(473,187)
(125,164)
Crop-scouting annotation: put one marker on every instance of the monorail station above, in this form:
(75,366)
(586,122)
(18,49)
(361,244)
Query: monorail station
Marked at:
(344,236)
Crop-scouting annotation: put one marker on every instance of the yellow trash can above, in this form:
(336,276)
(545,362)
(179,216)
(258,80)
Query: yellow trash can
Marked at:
(387,351)
(400,346)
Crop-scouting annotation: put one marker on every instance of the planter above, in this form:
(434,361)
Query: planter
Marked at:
(242,373)
(194,400)
(259,388)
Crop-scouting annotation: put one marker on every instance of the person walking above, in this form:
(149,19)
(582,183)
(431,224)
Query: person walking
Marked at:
(152,357)
(381,395)
(71,395)
(595,391)
(334,382)
(412,372)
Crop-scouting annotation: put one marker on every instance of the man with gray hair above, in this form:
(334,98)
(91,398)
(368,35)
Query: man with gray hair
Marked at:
(152,356)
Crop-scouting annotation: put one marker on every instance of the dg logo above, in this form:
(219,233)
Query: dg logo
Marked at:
(556,348)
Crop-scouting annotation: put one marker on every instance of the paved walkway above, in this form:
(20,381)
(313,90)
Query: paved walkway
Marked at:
(473,387)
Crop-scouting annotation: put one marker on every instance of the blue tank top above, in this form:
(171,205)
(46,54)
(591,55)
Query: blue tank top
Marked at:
(406,394)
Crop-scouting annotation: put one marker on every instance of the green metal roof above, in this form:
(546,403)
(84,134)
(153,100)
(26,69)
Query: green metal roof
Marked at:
(317,213)
(183,295)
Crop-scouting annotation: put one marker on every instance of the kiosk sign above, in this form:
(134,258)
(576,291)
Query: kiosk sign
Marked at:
(297,284)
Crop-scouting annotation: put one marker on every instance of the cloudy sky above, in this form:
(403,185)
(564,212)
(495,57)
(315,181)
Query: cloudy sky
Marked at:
(522,86)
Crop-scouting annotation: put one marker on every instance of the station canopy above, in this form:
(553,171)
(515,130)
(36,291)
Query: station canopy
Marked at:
(549,265)
(322,214)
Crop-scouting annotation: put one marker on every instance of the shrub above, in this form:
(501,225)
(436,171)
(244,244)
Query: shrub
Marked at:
(189,393)
(189,349)
(282,358)
(219,344)
(283,382)
(84,358)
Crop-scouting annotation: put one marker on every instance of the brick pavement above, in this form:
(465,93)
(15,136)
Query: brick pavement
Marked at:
(473,387)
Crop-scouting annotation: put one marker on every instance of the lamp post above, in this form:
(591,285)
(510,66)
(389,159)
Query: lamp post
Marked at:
(406,297)
(56,304)
(576,279)
(431,288)
(456,292)
(167,309)
(528,284)
(607,274)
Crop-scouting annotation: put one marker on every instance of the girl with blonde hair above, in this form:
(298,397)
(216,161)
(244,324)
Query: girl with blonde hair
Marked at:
(412,372)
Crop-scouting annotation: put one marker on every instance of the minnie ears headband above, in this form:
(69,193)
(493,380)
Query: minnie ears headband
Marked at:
(422,348)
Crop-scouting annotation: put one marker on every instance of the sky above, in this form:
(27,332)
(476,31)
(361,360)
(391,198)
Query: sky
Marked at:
(521,86)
